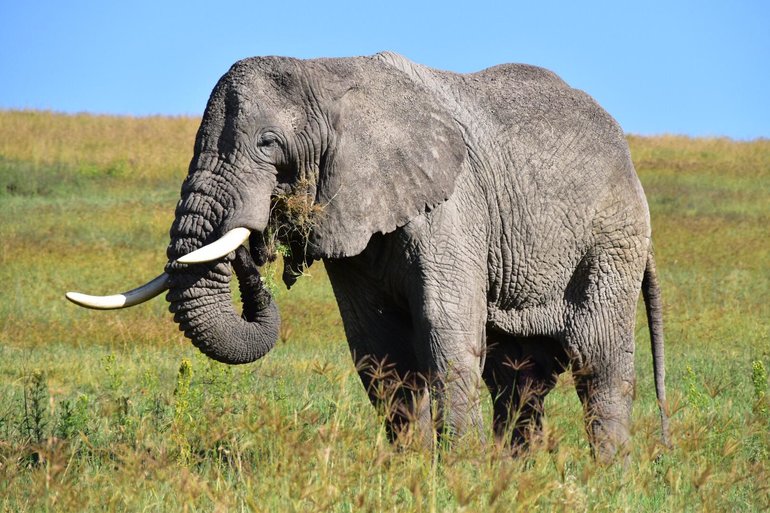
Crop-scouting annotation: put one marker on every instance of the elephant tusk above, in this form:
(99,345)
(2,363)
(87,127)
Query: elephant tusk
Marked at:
(132,297)
(227,243)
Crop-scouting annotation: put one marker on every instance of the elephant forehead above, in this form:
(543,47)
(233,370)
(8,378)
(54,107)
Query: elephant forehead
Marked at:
(269,87)
(252,108)
(260,101)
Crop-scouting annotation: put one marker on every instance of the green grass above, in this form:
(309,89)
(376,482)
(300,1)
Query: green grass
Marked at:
(117,411)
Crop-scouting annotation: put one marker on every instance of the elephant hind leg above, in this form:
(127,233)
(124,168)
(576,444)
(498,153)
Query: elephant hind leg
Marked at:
(599,332)
(607,398)
(605,382)
(520,372)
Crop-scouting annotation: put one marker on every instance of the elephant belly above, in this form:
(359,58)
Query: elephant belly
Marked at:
(531,305)
(544,320)
(538,293)
(527,284)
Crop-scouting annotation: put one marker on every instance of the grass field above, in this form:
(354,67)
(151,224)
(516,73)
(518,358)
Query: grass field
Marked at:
(117,411)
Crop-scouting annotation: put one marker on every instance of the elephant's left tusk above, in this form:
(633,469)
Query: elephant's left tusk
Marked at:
(227,243)
(133,297)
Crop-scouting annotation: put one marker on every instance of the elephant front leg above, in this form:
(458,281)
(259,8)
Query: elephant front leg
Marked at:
(455,394)
(401,397)
(380,337)
(450,342)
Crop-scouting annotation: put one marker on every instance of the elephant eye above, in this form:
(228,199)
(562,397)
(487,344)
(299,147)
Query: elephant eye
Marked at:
(270,148)
(267,140)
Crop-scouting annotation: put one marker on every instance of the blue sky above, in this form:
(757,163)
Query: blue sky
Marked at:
(699,68)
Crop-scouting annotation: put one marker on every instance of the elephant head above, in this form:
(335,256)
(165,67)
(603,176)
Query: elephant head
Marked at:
(317,154)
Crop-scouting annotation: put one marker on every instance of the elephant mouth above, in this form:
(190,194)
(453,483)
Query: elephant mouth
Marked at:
(198,285)
(294,264)
(217,250)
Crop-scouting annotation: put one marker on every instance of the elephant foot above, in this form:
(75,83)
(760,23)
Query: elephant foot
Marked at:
(408,421)
(610,441)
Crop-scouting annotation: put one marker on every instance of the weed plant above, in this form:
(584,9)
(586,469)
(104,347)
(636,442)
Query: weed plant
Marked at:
(117,411)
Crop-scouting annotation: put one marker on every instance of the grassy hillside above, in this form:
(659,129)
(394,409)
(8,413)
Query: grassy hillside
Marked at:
(116,410)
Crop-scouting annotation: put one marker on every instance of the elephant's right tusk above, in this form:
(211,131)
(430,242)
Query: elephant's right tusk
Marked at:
(227,243)
(124,300)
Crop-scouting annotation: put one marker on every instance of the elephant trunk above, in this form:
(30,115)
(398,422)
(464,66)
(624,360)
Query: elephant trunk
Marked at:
(199,294)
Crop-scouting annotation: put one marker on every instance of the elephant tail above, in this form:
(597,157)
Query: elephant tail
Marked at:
(653,302)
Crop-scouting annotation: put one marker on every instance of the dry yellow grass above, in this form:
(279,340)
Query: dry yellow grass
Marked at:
(149,147)
(295,432)
(743,159)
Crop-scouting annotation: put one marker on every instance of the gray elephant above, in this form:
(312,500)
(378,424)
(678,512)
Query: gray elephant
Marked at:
(476,228)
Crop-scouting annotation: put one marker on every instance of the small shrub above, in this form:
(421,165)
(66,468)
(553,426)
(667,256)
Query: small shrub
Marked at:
(74,418)
(35,420)
(216,376)
(158,411)
(182,390)
(124,422)
(181,422)
(115,377)
(696,397)
(759,381)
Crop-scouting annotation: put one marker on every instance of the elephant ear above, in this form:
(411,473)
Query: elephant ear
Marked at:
(395,153)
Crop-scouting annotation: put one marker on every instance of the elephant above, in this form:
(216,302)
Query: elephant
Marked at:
(477,229)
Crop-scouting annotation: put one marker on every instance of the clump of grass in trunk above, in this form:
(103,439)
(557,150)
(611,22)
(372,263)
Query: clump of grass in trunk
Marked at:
(293,215)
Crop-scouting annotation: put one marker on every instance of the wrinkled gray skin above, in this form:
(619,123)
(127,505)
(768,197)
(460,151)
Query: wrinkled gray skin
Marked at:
(480,228)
